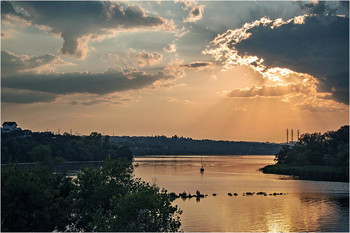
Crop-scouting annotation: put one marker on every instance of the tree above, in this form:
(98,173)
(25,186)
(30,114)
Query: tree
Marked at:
(34,199)
(281,156)
(108,198)
(41,153)
(330,149)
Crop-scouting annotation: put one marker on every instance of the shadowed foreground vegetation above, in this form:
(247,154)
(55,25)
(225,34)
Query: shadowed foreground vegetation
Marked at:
(315,156)
(101,199)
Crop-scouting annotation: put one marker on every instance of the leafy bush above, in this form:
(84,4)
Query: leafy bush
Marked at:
(328,149)
(316,156)
(103,199)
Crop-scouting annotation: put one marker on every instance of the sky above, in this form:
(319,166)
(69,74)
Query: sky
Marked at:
(231,70)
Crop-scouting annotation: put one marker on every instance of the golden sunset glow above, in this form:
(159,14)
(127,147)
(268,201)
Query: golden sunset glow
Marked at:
(167,75)
(175,116)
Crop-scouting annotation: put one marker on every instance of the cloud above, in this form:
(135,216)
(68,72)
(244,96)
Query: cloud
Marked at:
(198,65)
(10,95)
(321,103)
(315,45)
(106,82)
(145,59)
(321,108)
(79,22)
(111,57)
(92,99)
(171,48)
(12,63)
(323,7)
(7,8)
(303,96)
(180,101)
(240,109)
(176,67)
(270,90)
(196,11)
(20,76)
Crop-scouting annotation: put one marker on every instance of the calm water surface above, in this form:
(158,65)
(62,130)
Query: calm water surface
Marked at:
(308,205)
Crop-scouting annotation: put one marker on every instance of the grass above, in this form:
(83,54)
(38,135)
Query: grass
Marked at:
(326,173)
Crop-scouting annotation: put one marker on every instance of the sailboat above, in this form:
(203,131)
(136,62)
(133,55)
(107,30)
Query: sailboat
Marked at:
(202,168)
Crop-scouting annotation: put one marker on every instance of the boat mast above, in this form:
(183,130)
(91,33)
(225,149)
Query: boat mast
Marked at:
(202,169)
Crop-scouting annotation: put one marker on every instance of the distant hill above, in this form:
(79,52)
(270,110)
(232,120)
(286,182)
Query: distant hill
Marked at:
(162,145)
(26,146)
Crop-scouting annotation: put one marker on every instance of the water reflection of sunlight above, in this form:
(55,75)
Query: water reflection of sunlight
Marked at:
(277,223)
(308,205)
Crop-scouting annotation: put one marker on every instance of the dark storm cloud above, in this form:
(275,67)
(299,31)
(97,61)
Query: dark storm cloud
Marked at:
(324,7)
(101,83)
(345,4)
(319,46)
(12,63)
(7,8)
(9,95)
(78,22)
(316,8)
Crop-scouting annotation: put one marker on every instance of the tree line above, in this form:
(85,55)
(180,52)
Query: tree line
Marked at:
(162,145)
(330,148)
(17,147)
(108,198)
(316,156)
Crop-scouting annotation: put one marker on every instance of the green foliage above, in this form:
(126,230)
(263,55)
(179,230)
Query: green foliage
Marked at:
(41,153)
(175,145)
(103,199)
(108,199)
(329,151)
(34,199)
(309,172)
(41,147)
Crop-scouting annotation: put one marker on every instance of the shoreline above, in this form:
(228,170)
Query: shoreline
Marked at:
(318,173)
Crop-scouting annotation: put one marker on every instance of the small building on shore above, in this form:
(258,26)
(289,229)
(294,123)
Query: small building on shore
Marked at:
(9,126)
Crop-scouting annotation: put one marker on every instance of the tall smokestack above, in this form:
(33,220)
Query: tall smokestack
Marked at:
(287,136)
(291,132)
(298,135)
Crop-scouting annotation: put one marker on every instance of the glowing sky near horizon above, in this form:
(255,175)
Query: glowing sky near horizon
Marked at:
(229,70)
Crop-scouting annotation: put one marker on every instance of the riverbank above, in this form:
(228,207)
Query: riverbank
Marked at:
(326,173)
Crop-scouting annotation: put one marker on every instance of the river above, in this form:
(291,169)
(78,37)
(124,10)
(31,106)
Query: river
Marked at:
(307,205)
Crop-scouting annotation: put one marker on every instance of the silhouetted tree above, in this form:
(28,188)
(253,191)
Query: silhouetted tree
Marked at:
(330,148)
(102,199)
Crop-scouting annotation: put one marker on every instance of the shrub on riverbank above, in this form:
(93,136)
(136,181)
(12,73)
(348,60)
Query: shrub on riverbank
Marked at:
(315,156)
(101,199)
(325,173)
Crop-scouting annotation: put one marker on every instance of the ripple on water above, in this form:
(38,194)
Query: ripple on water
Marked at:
(308,205)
